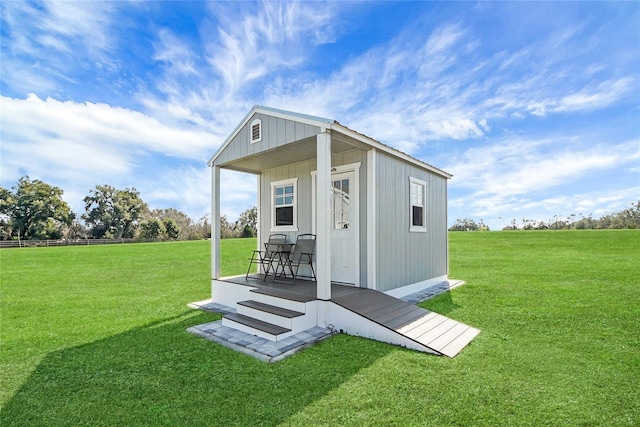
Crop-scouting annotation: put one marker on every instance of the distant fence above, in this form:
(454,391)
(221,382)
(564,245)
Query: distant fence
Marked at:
(77,242)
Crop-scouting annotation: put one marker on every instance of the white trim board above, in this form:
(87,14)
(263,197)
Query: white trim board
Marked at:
(372,246)
(416,287)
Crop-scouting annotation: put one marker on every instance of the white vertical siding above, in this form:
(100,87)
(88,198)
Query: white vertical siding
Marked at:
(408,257)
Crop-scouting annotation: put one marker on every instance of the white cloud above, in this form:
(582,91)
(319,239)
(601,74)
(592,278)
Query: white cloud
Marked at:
(607,93)
(211,82)
(187,187)
(77,20)
(412,90)
(461,128)
(524,166)
(174,52)
(589,98)
(78,145)
(190,188)
(497,211)
(58,24)
(532,178)
(266,38)
(99,127)
(46,40)
(401,93)
(405,92)
(443,39)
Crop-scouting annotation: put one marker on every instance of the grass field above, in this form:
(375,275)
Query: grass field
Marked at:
(96,336)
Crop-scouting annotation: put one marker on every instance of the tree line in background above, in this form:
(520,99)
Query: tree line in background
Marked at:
(627,218)
(34,210)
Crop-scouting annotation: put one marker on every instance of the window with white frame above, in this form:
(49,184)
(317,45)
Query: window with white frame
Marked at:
(284,205)
(417,208)
(256,131)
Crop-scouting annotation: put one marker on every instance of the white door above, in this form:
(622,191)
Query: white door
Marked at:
(344,221)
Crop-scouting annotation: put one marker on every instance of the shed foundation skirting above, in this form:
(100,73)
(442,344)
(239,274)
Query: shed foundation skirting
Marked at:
(227,293)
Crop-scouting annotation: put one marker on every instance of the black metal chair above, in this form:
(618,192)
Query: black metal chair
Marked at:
(269,255)
(302,255)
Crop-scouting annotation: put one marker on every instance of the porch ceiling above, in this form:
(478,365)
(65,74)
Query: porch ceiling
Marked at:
(294,152)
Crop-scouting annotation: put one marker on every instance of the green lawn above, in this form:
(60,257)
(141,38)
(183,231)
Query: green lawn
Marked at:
(96,336)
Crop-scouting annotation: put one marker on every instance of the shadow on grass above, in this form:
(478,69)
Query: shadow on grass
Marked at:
(441,304)
(161,375)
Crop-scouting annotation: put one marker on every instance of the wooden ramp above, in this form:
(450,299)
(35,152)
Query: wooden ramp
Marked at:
(436,332)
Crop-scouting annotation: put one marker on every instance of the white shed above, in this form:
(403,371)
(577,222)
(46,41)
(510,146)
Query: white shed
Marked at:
(379,217)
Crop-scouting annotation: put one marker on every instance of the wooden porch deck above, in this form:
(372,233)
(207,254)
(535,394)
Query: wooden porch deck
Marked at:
(436,332)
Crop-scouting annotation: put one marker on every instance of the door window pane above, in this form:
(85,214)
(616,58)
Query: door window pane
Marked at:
(340,204)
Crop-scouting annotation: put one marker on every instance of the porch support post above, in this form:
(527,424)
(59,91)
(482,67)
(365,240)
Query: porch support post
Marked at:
(215,223)
(323,201)
(372,245)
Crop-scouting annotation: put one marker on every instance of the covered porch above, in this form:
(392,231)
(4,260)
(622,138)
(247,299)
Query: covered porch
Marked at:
(308,160)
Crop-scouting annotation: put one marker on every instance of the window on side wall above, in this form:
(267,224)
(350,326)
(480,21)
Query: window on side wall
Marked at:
(284,201)
(417,208)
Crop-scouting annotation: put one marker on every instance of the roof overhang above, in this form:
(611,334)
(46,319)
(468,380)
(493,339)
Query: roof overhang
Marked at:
(342,139)
(295,152)
(273,112)
(372,143)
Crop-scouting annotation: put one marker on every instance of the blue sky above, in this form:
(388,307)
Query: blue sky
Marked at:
(533,107)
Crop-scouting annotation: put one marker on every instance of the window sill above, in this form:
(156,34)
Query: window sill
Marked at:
(285,228)
(417,230)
